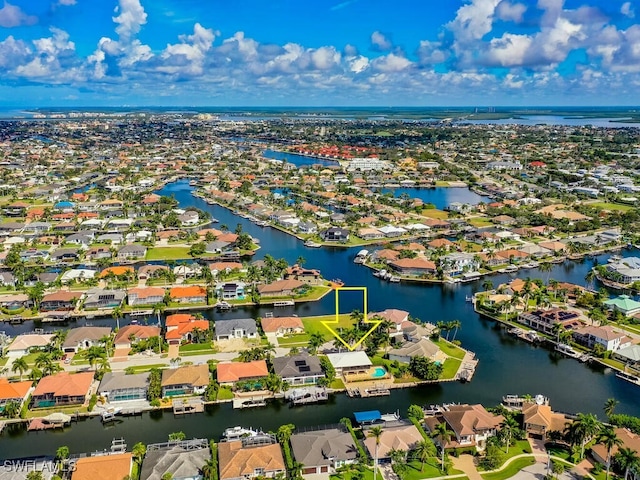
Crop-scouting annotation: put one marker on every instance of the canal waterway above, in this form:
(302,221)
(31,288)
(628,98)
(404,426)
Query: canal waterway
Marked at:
(506,365)
(440,197)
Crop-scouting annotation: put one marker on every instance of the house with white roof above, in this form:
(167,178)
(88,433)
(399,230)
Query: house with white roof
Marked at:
(350,363)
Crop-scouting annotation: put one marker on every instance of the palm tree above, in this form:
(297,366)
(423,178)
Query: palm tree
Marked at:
(546,267)
(454,325)
(158,308)
(397,455)
(375,432)
(284,432)
(587,427)
(487,285)
(20,365)
(315,341)
(94,354)
(139,450)
(609,438)
(117,314)
(11,409)
(609,406)
(627,459)
(509,425)
(423,450)
(590,277)
(444,436)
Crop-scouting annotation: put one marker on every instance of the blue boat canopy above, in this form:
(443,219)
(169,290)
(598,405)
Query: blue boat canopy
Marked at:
(368,416)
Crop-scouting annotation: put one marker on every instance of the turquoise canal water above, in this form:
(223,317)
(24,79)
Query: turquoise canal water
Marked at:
(506,365)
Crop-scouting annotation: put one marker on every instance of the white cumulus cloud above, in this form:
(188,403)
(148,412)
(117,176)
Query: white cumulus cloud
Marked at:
(627,10)
(512,12)
(13,16)
(379,41)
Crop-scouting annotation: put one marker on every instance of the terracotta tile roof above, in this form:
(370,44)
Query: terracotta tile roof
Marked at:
(146,292)
(236,461)
(178,318)
(414,263)
(103,467)
(64,383)
(280,285)
(138,331)
(183,328)
(273,324)
(61,296)
(629,440)
(195,375)
(116,271)
(470,419)
(187,292)
(234,371)
(10,390)
(220,266)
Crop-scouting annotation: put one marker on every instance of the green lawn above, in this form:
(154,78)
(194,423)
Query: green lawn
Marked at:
(295,339)
(434,213)
(146,368)
(558,451)
(450,368)
(510,470)
(479,222)
(167,253)
(197,349)
(225,393)
(611,206)
(450,349)
(315,293)
(355,474)
(337,384)
(431,469)
(3,361)
(314,324)
(613,363)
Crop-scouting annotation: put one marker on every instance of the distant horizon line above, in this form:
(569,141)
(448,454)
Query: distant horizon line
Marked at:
(250,107)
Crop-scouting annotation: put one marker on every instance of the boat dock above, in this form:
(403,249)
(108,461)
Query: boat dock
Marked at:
(187,405)
(304,396)
(369,391)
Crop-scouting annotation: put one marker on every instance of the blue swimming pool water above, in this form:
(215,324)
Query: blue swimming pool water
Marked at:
(379,372)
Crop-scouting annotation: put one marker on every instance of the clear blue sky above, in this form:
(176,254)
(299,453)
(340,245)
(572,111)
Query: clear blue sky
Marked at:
(319,52)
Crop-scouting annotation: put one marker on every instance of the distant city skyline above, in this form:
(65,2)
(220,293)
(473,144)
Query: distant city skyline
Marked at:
(319,53)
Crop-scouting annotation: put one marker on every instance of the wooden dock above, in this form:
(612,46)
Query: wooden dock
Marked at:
(187,405)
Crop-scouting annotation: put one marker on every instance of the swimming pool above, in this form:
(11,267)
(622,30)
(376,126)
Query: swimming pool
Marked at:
(378,372)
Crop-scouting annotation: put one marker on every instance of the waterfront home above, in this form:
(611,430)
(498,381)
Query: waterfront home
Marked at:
(421,348)
(180,327)
(403,437)
(131,252)
(630,356)
(231,290)
(26,342)
(335,234)
(472,425)
(629,440)
(185,380)
(146,272)
(441,243)
(624,304)
(227,329)
(97,253)
(385,255)
(120,387)
(97,298)
(85,337)
(13,392)
(535,251)
(539,420)
(189,218)
(131,334)
(413,266)
(7,279)
(228,373)
(607,337)
(62,388)
(307,228)
(280,288)
(369,233)
(323,451)
(182,459)
(250,458)
(119,271)
(77,275)
(114,466)
(457,263)
(191,294)
(306,275)
(350,363)
(301,369)
(228,267)
(65,255)
(15,301)
(281,326)
(553,246)
(544,320)
(145,296)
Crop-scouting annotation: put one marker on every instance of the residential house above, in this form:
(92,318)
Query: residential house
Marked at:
(609,338)
(413,266)
(182,459)
(97,298)
(236,328)
(65,255)
(185,380)
(13,392)
(335,234)
(228,373)
(231,290)
(180,327)
(369,233)
(146,272)
(544,320)
(7,279)
(628,440)
(624,304)
(307,228)
(62,388)
(472,425)
(324,451)
(84,337)
(250,458)
(120,387)
(145,296)
(421,348)
(191,294)
(131,252)
(539,420)
(392,315)
(280,288)
(458,263)
(403,437)
(298,369)
(114,466)
(189,218)
(61,300)
(131,334)
(281,326)
(97,253)
(630,356)
(306,275)
(14,301)
(26,342)
(350,363)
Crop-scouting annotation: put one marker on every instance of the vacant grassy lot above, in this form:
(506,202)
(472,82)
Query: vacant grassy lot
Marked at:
(435,213)
(450,349)
(314,324)
(611,206)
(167,253)
(450,368)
